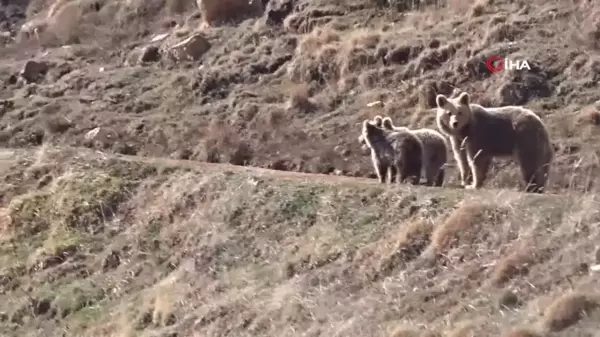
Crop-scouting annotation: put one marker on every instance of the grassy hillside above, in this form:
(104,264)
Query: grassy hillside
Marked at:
(290,94)
(107,246)
(139,200)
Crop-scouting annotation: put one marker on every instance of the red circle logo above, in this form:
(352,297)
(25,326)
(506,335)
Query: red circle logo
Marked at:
(494,63)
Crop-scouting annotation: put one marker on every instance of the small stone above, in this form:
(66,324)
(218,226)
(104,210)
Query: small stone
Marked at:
(100,138)
(33,71)
(508,299)
(149,54)
(191,48)
(111,261)
(41,307)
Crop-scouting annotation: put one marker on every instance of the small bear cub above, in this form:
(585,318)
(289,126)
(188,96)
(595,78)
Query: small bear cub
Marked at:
(435,151)
(397,155)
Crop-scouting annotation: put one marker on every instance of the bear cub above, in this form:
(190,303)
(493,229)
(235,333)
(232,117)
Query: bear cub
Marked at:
(435,151)
(396,154)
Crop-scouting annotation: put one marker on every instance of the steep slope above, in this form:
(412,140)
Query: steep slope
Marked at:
(128,237)
(290,94)
(96,245)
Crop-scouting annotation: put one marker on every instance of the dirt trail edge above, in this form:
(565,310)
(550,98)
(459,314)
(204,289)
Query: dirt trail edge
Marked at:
(9,155)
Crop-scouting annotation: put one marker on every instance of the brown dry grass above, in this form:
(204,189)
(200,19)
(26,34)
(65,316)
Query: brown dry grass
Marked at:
(299,98)
(402,331)
(569,309)
(401,248)
(512,265)
(522,333)
(212,249)
(464,226)
(590,115)
(98,246)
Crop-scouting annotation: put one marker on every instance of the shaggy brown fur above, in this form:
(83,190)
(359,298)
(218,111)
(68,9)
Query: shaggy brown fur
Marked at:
(435,151)
(398,154)
(495,132)
(378,122)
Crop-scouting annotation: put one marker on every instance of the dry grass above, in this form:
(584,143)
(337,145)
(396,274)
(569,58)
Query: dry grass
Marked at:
(402,331)
(299,99)
(568,309)
(194,248)
(464,225)
(98,246)
(513,265)
(407,245)
(465,329)
(522,333)
(590,115)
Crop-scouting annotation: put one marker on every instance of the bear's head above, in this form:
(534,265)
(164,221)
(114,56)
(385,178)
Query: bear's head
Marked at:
(378,122)
(453,113)
(370,132)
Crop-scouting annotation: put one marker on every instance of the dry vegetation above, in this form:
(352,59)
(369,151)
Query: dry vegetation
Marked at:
(94,243)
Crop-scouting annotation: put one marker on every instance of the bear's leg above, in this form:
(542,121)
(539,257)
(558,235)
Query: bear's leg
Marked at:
(398,171)
(541,178)
(480,165)
(534,156)
(382,173)
(402,174)
(412,173)
(434,175)
(393,172)
(416,179)
(534,153)
(380,169)
(460,156)
(440,177)
(430,174)
(534,175)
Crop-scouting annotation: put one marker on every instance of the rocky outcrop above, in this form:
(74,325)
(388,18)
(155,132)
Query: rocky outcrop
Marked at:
(191,48)
(215,12)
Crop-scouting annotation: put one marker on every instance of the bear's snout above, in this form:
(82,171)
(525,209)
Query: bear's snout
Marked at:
(454,124)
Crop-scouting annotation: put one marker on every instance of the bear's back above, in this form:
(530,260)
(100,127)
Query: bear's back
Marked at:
(405,142)
(492,129)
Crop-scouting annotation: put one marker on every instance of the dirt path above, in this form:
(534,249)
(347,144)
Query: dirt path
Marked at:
(10,156)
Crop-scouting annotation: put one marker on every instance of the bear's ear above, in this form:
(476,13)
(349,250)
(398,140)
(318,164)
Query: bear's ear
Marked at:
(387,123)
(441,100)
(368,127)
(463,99)
(378,120)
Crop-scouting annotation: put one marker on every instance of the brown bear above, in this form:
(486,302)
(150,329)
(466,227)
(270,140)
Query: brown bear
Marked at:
(378,122)
(397,154)
(478,134)
(435,151)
